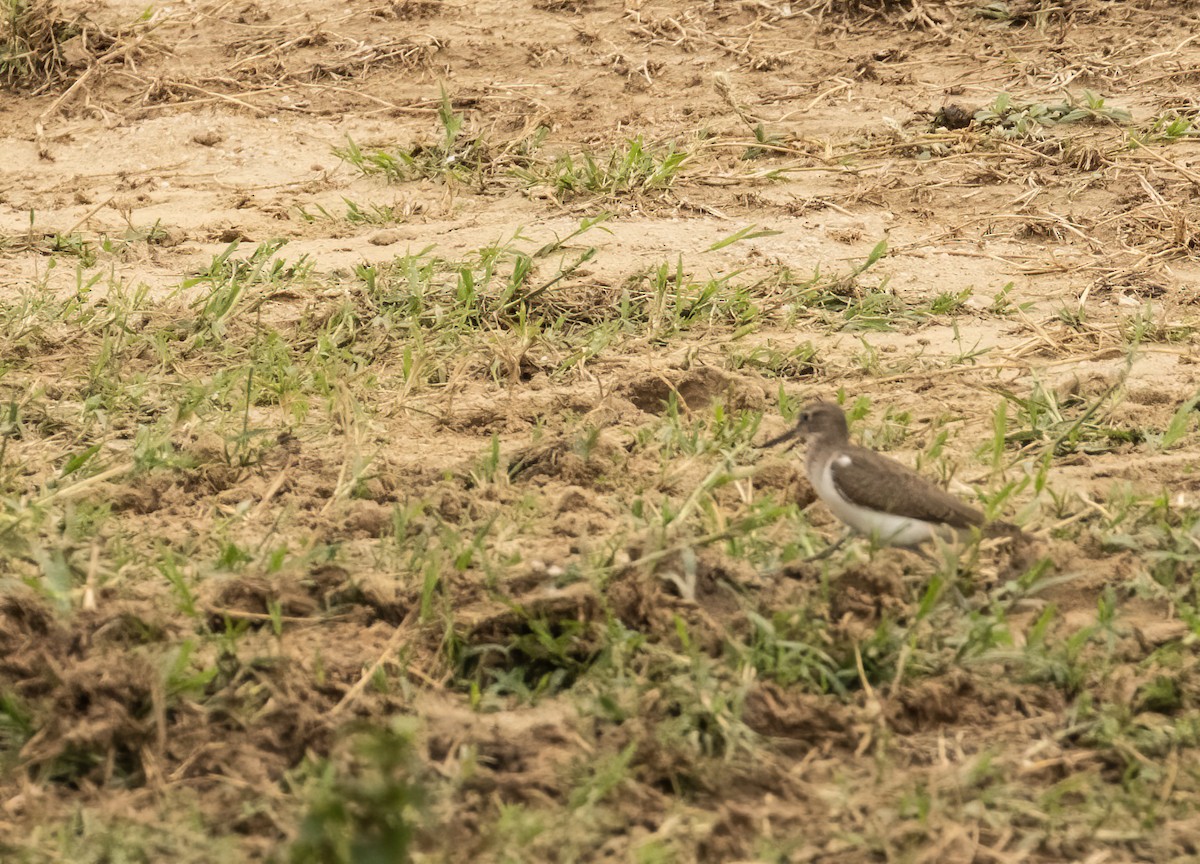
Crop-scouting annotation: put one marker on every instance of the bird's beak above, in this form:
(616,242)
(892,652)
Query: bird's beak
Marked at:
(792,435)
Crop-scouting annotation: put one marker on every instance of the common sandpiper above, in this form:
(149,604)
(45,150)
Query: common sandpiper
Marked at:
(874,495)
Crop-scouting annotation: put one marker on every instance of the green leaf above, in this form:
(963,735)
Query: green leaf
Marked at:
(78,460)
(750,232)
(1181,422)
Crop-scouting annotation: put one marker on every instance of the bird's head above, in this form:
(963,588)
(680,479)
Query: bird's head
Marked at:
(816,420)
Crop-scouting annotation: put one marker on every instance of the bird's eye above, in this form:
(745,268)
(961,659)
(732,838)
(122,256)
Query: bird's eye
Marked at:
(805,416)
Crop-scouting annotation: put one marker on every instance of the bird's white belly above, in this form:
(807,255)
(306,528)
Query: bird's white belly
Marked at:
(883,528)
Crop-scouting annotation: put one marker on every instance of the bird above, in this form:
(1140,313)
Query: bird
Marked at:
(872,494)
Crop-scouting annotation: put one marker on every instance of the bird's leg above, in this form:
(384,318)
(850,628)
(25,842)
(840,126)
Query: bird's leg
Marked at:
(960,599)
(830,549)
(920,551)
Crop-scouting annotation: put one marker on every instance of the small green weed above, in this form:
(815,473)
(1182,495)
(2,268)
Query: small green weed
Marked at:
(1167,128)
(630,169)
(368,807)
(1011,119)
(456,156)
(358,214)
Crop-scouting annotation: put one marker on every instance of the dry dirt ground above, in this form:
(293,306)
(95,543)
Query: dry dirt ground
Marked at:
(380,385)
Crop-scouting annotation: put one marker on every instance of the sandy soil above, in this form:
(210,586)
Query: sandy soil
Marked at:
(1020,261)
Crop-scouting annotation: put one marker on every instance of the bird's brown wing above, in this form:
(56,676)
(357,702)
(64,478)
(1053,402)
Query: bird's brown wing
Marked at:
(880,483)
